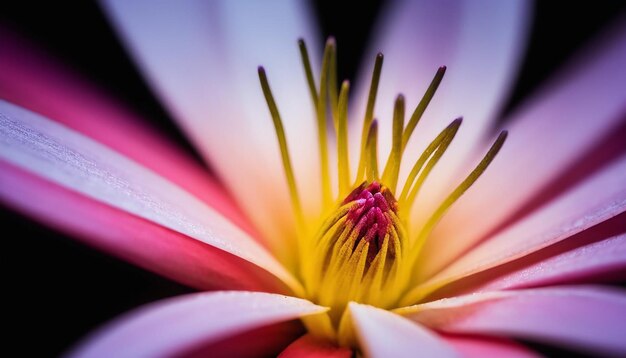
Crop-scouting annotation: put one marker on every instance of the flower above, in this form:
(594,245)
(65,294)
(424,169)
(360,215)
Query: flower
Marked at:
(506,255)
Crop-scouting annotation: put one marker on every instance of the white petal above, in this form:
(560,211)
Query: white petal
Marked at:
(71,160)
(603,259)
(583,317)
(385,334)
(176,325)
(201,58)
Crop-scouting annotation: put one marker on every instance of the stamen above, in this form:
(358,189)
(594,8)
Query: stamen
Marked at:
(304,54)
(456,194)
(369,113)
(342,140)
(357,251)
(332,84)
(392,169)
(371,147)
(284,149)
(321,123)
(439,145)
(421,107)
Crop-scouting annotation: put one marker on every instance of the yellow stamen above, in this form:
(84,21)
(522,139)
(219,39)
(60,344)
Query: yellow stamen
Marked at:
(321,124)
(456,194)
(438,146)
(284,149)
(392,169)
(342,140)
(332,85)
(371,147)
(369,114)
(421,107)
(304,54)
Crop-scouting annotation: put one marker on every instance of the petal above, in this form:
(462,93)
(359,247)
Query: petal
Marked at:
(384,334)
(129,237)
(550,132)
(476,346)
(604,259)
(62,156)
(308,346)
(176,325)
(30,79)
(595,255)
(201,59)
(598,199)
(480,42)
(585,318)
(266,341)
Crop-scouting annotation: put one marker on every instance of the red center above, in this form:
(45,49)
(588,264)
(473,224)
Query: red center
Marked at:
(370,215)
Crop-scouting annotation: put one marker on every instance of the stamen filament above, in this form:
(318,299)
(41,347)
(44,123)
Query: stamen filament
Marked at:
(332,85)
(446,135)
(456,194)
(392,168)
(342,140)
(284,149)
(304,54)
(321,124)
(421,107)
(441,148)
(369,113)
(371,148)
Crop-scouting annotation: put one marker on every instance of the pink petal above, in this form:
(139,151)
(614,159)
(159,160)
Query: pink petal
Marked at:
(201,59)
(480,42)
(598,199)
(308,346)
(582,318)
(266,341)
(64,157)
(554,130)
(603,259)
(131,238)
(173,326)
(595,255)
(30,79)
(385,334)
(476,346)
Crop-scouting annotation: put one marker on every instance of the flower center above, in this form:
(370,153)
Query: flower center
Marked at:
(357,251)
(369,217)
(360,250)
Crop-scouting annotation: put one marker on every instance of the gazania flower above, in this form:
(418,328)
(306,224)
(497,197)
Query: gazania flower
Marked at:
(455,243)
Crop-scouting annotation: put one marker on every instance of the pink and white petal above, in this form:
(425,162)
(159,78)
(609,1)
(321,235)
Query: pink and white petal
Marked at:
(552,131)
(179,324)
(129,237)
(604,259)
(481,43)
(266,341)
(66,158)
(30,79)
(477,346)
(585,318)
(201,59)
(384,334)
(594,201)
(309,346)
(595,255)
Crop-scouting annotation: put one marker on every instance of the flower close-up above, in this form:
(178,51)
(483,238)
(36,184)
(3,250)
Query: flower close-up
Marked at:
(413,211)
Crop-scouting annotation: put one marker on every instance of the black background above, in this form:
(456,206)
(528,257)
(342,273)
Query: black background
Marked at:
(57,290)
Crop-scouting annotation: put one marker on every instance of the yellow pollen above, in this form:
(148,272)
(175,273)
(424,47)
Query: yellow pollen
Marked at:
(360,250)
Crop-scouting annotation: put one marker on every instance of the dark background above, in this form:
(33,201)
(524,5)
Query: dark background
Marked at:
(57,289)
